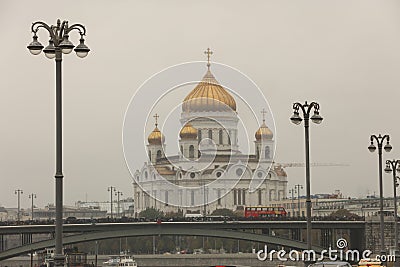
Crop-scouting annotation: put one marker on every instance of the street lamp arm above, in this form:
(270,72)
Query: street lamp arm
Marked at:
(76,26)
(306,108)
(57,32)
(380,139)
(314,105)
(297,106)
(39,24)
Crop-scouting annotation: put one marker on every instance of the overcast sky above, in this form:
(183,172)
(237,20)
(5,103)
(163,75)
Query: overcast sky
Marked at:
(343,54)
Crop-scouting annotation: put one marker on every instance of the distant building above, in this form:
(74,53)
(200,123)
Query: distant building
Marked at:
(296,207)
(49,212)
(325,205)
(363,207)
(3,214)
(125,206)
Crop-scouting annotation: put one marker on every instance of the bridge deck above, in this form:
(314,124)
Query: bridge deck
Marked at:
(73,228)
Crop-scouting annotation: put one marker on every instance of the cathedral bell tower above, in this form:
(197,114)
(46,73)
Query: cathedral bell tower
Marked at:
(264,144)
(189,146)
(156,144)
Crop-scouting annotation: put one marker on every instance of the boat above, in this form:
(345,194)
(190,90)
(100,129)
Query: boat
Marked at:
(46,257)
(127,261)
(113,260)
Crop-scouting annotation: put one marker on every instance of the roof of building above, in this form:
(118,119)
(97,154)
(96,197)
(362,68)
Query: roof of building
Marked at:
(208,95)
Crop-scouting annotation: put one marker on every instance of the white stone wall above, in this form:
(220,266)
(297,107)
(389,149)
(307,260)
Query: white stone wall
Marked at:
(272,189)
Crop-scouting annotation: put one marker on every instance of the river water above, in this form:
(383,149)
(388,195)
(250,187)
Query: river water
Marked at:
(189,260)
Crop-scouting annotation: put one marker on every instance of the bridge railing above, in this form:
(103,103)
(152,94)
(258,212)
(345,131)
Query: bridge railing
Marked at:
(178,219)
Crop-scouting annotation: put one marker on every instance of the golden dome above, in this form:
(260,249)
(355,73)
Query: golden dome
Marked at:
(156,137)
(208,95)
(264,133)
(188,132)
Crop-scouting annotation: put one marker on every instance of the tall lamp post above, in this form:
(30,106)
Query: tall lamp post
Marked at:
(18,192)
(58,45)
(297,188)
(32,196)
(392,166)
(292,191)
(380,140)
(118,194)
(296,119)
(111,189)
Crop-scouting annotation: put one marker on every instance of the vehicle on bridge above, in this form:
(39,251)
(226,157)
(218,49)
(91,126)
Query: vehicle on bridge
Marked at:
(122,260)
(370,262)
(264,211)
(330,264)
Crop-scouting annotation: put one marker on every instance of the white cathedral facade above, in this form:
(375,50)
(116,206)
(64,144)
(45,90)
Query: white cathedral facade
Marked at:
(210,172)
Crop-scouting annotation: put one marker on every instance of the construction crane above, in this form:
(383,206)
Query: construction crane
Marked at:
(313,164)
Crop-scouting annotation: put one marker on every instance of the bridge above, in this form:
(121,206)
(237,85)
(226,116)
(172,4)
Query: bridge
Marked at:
(257,231)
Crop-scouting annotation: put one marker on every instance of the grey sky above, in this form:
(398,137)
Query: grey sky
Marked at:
(343,54)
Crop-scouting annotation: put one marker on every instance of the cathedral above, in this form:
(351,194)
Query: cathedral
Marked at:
(210,172)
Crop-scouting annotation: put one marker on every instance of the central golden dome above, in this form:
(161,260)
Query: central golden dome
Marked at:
(208,95)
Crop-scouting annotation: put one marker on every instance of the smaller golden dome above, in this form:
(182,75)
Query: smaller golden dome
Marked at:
(188,132)
(156,137)
(264,133)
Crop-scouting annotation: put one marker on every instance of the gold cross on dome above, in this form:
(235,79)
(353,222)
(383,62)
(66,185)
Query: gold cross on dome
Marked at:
(156,117)
(208,52)
(263,112)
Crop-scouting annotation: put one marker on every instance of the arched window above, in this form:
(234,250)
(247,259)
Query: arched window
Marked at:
(220,137)
(272,195)
(258,152)
(166,198)
(229,138)
(210,135)
(191,151)
(158,154)
(267,152)
(149,155)
(192,197)
(182,150)
(259,197)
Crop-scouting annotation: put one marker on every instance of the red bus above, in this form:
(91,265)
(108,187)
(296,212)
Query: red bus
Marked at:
(264,211)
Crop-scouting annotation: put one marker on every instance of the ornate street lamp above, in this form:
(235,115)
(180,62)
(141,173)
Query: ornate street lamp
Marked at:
(380,140)
(111,189)
(297,188)
(18,192)
(32,196)
(118,194)
(296,119)
(292,191)
(392,166)
(59,44)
